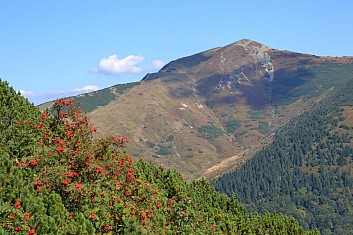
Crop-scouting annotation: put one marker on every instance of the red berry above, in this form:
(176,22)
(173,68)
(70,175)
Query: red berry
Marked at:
(18,204)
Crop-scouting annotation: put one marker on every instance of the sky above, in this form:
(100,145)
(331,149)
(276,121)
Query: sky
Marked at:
(51,49)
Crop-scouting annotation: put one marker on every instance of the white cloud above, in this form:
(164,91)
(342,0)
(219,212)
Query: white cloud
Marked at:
(87,88)
(113,65)
(27,94)
(158,64)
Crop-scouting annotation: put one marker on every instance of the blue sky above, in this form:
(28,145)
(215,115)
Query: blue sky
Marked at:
(50,49)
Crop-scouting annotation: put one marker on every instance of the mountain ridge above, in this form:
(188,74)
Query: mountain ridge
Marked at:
(199,111)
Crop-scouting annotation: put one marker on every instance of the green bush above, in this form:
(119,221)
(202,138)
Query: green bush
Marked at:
(151,144)
(164,150)
(264,128)
(170,138)
(232,125)
(210,132)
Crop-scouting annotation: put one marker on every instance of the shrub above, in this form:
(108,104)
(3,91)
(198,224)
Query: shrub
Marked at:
(210,132)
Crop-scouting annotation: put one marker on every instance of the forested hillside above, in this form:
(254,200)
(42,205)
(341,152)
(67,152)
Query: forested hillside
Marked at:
(307,171)
(55,178)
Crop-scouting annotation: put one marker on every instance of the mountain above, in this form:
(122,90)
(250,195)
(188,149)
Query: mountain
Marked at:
(205,114)
(56,178)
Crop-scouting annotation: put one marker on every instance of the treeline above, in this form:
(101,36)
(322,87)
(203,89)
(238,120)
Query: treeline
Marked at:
(56,178)
(306,172)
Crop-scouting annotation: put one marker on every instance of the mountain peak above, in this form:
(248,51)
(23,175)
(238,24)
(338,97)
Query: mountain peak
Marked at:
(247,44)
(256,51)
(245,40)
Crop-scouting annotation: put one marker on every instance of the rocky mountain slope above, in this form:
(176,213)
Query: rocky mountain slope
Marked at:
(207,113)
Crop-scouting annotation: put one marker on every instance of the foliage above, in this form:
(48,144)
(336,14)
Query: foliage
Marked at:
(64,181)
(121,88)
(170,138)
(14,108)
(150,144)
(91,101)
(210,132)
(256,114)
(232,125)
(164,150)
(264,128)
(320,79)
